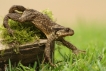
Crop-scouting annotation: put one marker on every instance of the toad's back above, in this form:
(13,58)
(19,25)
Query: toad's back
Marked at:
(44,23)
(41,21)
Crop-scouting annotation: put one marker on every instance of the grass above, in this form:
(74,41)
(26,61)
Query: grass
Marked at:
(87,37)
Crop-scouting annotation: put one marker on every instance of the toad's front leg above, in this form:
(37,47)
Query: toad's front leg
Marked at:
(71,46)
(48,50)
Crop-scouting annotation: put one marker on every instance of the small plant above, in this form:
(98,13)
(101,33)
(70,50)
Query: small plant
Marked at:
(49,14)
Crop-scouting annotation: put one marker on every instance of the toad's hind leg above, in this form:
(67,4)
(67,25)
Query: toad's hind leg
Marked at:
(16,7)
(13,16)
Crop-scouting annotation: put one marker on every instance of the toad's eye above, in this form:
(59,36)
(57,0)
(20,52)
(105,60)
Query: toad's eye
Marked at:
(67,29)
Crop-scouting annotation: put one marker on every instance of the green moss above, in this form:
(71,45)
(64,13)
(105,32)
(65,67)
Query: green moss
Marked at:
(23,33)
(48,13)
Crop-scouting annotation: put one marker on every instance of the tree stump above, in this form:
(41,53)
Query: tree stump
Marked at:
(28,53)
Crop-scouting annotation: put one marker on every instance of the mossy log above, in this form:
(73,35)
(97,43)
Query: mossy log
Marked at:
(28,53)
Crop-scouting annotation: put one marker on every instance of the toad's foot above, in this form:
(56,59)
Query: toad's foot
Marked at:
(78,51)
(11,32)
(53,65)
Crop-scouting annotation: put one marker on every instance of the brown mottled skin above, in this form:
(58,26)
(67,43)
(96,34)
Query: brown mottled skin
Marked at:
(52,30)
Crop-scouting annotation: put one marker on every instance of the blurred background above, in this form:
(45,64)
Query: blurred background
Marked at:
(86,17)
(65,11)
